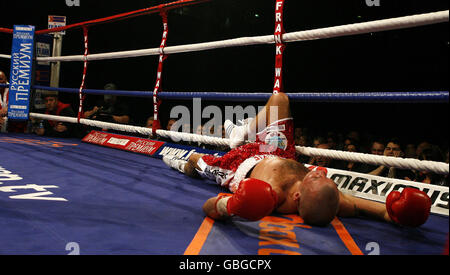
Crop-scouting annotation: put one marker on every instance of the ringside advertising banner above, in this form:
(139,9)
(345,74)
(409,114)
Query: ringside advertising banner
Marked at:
(156,149)
(21,72)
(184,151)
(126,143)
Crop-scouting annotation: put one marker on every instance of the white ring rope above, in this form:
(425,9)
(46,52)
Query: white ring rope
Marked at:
(401,163)
(322,33)
(176,136)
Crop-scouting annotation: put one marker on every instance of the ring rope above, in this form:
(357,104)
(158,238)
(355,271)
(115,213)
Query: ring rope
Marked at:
(413,164)
(85,66)
(162,58)
(346,97)
(380,97)
(316,34)
(351,29)
(118,17)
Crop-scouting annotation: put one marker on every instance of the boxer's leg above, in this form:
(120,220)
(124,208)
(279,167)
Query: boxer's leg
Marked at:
(191,166)
(276,108)
(187,167)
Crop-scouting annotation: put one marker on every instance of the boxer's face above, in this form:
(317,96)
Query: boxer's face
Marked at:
(311,178)
(314,176)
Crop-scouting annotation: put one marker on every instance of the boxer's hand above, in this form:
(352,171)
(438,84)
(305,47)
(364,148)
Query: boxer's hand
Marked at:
(409,208)
(253,200)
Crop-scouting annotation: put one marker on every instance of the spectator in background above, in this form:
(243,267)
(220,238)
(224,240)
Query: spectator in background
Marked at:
(376,148)
(110,109)
(170,123)
(432,153)
(332,140)
(3,102)
(5,126)
(322,161)
(318,140)
(297,133)
(410,151)
(347,165)
(422,146)
(55,128)
(304,142)
(355,136)
(149,123)
(393,149)
(301,137)
(347,142)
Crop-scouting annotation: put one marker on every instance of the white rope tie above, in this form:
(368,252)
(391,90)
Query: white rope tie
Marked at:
(401,163)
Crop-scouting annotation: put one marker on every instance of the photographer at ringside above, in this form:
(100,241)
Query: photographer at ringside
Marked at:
(109,109)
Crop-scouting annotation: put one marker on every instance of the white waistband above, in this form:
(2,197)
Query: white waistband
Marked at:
(244,168)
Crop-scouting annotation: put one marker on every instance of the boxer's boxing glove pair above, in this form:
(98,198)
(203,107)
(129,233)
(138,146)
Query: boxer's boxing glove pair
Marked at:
(253,200)
(411,207)
(256,199)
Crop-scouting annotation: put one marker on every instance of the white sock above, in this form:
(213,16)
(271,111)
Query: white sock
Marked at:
(238,134)
(174,162)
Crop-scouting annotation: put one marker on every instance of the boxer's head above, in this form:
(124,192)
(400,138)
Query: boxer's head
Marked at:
(318,199)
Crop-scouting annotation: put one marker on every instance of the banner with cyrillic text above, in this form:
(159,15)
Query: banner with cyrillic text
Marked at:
(22,55)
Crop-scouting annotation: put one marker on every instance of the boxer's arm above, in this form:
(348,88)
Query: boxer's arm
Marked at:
(350,206)
(210,209)
(253,200)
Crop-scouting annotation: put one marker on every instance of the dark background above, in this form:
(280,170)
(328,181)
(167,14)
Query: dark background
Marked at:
(404,60)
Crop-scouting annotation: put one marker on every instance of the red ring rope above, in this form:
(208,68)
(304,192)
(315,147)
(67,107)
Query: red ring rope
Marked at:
(83,80)
(118,17)
(162,57)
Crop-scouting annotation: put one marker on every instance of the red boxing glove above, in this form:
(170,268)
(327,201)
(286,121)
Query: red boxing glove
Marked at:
(409,208)
(253,200)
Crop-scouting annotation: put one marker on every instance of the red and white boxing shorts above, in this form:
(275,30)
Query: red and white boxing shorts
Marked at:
(276,140)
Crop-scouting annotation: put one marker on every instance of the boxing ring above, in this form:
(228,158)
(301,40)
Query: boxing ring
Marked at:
(95,200)
(72,196)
